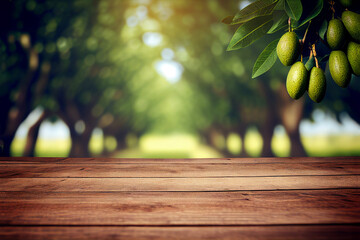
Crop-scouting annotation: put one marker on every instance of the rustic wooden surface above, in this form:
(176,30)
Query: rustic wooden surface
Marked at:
(254,198)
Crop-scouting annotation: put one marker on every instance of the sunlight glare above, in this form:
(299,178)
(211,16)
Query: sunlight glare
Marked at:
(171,70)
(152,39)
(141,12)
(167,54)
(132,21)
(243,4)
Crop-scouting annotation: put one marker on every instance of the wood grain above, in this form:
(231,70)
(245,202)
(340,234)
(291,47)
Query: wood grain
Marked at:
(65,170)
(181,208)
(250,198)
(178,184)
(332,232)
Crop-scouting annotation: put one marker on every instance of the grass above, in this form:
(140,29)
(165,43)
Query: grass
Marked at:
(44,148)
(170,146)
(189,146)
(335,145)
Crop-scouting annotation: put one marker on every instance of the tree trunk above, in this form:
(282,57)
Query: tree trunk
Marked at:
(33,134)
(80,143)
(206,137)
(242,133)
(291,113)
(297,148)
(22,106)
(270,119)
(121,141)
(5,144)
(225,151)
(210,135)
(69,111)
(105,152)
(267,130)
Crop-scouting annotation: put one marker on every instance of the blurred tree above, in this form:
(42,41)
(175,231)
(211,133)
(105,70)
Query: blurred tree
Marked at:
(79,66)
(231,100)
(309,19)
(20,70)
(88,63)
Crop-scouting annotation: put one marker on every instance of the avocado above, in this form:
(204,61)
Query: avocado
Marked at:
(340,68)
(351,22)
(336,34)
(353,55)
(317,84)
(288,48)
(297,80)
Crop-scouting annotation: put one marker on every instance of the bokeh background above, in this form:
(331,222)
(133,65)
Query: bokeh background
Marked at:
(152,78)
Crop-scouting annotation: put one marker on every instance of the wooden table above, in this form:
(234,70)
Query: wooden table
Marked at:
(259,198)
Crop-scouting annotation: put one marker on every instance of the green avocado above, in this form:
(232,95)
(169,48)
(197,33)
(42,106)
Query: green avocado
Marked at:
(340,68)
(353,55)
(297,80)
(317,84)
(351,22)
(336,34)
(288,48)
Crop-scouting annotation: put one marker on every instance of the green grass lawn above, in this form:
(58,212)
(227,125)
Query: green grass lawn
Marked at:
(189,146)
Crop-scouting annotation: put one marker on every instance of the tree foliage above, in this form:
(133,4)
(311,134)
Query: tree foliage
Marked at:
(87,63)
(308,18)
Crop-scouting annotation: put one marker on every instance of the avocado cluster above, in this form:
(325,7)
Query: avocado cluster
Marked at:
(299,79)
(343,38)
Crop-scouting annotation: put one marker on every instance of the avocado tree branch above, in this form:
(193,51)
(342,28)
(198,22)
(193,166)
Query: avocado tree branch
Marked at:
(289,22)
(314,53)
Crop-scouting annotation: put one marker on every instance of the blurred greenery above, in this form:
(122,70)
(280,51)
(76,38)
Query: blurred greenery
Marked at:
(189,146)
(148,78)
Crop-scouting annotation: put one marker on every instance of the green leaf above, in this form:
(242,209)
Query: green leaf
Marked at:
(323,29)
(280,5)
(310,63)
(250,31)
(293,9)
(266,59)
(315,10)
(227,20)
(280,21)
(325,58)
(255,9)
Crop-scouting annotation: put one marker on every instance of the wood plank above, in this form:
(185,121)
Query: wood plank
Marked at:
(169,170)
(181,208)
(178,184)
(100,160)
(329,232)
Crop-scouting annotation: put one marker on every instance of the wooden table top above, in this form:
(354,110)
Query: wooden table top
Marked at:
(249,198)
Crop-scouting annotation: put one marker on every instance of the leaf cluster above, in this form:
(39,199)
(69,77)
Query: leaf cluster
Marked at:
(264,17)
